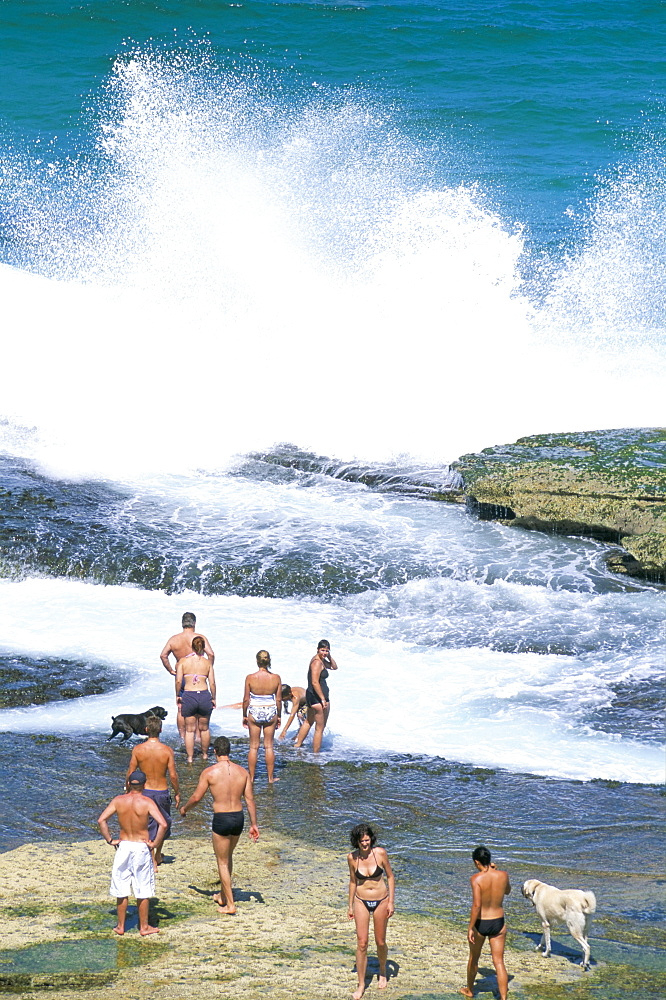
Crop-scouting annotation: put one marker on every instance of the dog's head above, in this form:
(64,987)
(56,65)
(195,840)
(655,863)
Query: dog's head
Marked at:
(160,712)
(529,888)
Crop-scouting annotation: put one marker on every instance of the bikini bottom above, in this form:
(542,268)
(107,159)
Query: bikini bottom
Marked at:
(371,904)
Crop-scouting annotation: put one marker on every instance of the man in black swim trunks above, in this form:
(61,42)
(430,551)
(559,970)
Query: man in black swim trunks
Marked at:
(486,920)
(229,784)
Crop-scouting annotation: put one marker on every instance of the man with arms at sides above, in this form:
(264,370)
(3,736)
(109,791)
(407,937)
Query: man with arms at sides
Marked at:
(180,645)
(133,868)
(157,761)
(489,887)
(229,784)
(296,697)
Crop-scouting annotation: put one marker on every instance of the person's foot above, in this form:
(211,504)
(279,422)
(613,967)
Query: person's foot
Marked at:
(382,983)
(466,992)
(228,909)
(119,930)
(145,931)
(219,899)
(190,760)
(273,781)
(359,993)
(158,858)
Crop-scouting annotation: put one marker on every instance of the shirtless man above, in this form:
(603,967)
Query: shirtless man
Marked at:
(489,887)
(181,645)
(296,697)
(156,761)
(133,868)
(228,783)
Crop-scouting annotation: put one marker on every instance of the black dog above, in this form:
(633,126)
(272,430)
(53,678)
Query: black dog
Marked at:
(129,724)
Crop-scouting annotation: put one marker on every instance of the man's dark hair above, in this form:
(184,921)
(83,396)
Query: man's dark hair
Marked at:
(286,692)
(189,620)
(362,830)
(482,855)
(153,726)
(222,746)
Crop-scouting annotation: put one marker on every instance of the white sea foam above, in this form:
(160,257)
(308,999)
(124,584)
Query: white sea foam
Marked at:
(234,269)
(475,705)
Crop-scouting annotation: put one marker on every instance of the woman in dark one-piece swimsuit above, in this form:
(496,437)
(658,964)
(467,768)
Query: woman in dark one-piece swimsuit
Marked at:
(316,695)
(369,897)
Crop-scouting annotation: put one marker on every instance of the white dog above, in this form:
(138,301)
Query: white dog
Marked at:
(570,906)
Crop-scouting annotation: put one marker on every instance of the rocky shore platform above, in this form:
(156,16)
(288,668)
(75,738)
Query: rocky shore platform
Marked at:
(290,939)
(607,485)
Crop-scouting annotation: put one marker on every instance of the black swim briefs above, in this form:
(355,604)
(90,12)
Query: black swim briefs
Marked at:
(228,824)
(490,928)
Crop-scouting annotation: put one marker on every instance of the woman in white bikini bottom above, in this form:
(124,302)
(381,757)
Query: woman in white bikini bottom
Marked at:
(262,709)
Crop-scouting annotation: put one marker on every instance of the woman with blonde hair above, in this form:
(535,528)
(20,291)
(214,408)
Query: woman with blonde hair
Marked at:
(262,711)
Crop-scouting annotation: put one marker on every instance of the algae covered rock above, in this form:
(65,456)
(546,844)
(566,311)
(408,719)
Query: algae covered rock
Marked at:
(609,485)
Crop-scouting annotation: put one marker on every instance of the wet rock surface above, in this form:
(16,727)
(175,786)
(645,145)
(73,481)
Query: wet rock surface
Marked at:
(608,485)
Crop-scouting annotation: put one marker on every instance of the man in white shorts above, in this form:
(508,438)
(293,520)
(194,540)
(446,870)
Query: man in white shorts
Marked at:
(133,869)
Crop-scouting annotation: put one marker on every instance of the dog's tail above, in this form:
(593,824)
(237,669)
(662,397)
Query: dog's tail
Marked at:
(589,902)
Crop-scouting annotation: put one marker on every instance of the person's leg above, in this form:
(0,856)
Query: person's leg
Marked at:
(380,921)
(190,729)
(144,926)
(121,908)
(255,739)
(204,732)
(305,727)
(180,722)
(224,849)
(320,723)
(473,964)
(362,921)
(497,953)
(269,750)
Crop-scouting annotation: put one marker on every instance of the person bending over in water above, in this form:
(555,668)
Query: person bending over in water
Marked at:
(133,868)
(295,696)
(262,711)
(489,887)
(317,695)
(369,897)
(229,784)
(194,673)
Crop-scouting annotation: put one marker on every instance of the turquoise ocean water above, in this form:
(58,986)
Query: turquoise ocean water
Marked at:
(243,245)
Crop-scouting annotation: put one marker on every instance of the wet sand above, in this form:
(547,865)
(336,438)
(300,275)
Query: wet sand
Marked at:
(290,938)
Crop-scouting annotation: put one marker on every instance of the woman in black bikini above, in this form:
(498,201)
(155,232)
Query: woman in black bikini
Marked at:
(369,896)
(194,674)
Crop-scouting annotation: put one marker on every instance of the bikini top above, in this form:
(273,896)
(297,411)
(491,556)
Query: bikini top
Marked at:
(375,877)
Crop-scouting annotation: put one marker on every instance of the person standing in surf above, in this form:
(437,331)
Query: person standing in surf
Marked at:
(194,674)
(180,646)
(262,712)
(316,695)
(486,920)
(369,896)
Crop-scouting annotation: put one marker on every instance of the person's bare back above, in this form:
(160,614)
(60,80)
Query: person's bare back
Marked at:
(133,811)
(227,782)
(493,886)
(156,760)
